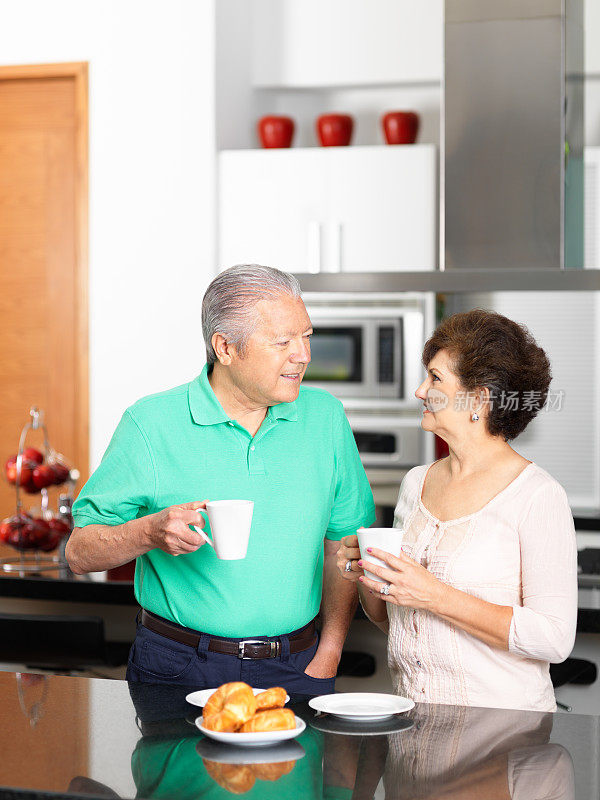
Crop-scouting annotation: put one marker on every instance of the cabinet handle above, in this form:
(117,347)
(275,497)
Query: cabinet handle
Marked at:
(337,246)
(313,247)
(333,247)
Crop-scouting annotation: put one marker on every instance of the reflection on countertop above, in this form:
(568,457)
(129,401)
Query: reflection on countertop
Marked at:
(111,739)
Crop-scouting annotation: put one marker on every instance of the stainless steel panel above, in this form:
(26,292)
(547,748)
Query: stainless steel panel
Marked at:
(479,10)
(574,136)
(504,139)
(455,280)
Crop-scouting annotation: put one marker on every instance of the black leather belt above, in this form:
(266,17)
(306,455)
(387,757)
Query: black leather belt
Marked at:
(246,648)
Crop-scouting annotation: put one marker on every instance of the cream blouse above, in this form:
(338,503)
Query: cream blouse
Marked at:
(518,550)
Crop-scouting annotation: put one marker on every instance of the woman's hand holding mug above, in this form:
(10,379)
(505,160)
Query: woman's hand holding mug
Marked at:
(409,583)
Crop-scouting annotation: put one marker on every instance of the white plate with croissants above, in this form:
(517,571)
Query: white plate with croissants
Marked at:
(200,697)
(234,714)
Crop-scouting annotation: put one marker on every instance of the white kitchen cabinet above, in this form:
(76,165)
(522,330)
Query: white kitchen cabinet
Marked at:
(309,43)
(335,209)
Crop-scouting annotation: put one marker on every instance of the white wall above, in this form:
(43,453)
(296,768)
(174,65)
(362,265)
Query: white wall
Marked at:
(152,184)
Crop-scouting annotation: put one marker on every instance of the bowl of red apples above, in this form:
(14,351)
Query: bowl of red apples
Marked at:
(37,472)
(39,529)
(24,531)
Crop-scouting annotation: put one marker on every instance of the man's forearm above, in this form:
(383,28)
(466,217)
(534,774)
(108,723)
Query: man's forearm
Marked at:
(338,605)
(96,548)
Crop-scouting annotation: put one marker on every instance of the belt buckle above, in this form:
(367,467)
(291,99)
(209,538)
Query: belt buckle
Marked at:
(274,648)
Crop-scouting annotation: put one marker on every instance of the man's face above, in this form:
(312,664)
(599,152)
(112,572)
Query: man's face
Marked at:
(277,353)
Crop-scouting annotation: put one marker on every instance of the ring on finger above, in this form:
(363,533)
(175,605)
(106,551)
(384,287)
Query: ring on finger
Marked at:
(385,589)
(348,566)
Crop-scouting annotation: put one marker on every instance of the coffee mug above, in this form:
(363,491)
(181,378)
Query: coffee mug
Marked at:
(230,522)
(388,539)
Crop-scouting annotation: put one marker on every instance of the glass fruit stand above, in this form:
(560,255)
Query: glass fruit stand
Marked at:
(38,533)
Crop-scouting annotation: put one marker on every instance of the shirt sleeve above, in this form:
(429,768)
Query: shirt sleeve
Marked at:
(124,485)
(545,772)
(353,505)
(543,627)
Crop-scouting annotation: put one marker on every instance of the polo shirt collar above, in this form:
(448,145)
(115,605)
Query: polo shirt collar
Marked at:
(284,411)
(206,409)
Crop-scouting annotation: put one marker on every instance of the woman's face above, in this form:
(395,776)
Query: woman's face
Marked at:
(447,407)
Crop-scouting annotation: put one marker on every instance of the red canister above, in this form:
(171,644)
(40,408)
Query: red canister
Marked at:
(335,130)
(400,127)
(276,131)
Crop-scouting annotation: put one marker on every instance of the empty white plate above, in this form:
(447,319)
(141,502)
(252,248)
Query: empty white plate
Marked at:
(360,727)
(253,739)
(200,697)
(361,706)
(230,754)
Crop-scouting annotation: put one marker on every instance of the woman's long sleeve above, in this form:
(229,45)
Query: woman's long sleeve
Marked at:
(543,627)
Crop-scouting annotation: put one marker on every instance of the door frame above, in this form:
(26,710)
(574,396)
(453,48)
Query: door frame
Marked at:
(79,72)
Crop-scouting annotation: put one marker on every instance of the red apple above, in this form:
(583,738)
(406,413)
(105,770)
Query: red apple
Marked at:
(59,526)
(27,479)
(19,532)
(61,472)
(41,531)
(10,469)
(27,468)
(43,475)
(276,131)
(32,454)
(400,127)
(51,541)
(5,529)
(335,130)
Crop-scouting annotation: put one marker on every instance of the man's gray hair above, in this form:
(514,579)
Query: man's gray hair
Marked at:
(228,304)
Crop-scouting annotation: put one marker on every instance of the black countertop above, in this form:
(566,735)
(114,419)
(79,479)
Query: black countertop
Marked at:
(90,737)
(62,584)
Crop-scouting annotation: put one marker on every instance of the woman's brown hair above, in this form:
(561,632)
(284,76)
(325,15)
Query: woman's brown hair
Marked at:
(491,351)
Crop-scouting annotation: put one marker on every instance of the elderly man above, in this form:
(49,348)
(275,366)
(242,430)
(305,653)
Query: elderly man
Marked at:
(243,429)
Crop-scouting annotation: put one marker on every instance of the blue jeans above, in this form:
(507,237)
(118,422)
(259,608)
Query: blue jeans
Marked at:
(156,659)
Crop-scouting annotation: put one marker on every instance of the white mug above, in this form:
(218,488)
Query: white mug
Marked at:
(230,522)
(388,539)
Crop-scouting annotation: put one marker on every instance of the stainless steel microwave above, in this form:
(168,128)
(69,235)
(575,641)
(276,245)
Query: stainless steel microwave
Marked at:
(367,352)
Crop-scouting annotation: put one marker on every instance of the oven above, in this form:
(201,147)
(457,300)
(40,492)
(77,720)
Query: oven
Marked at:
(388,440)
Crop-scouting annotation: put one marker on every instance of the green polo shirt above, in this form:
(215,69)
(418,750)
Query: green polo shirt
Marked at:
(301,469)
(167,768)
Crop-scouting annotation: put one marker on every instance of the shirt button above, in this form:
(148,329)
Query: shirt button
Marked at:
(423,691)
(419,663)
(252,448)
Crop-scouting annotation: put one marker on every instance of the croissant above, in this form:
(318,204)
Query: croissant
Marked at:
(273,719)
(272,698)
(272,772)
(235,778)
(229,707)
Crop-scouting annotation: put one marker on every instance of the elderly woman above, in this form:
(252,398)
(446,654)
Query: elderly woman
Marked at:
(484,594)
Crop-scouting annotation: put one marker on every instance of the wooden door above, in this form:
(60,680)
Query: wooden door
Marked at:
(43,259)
